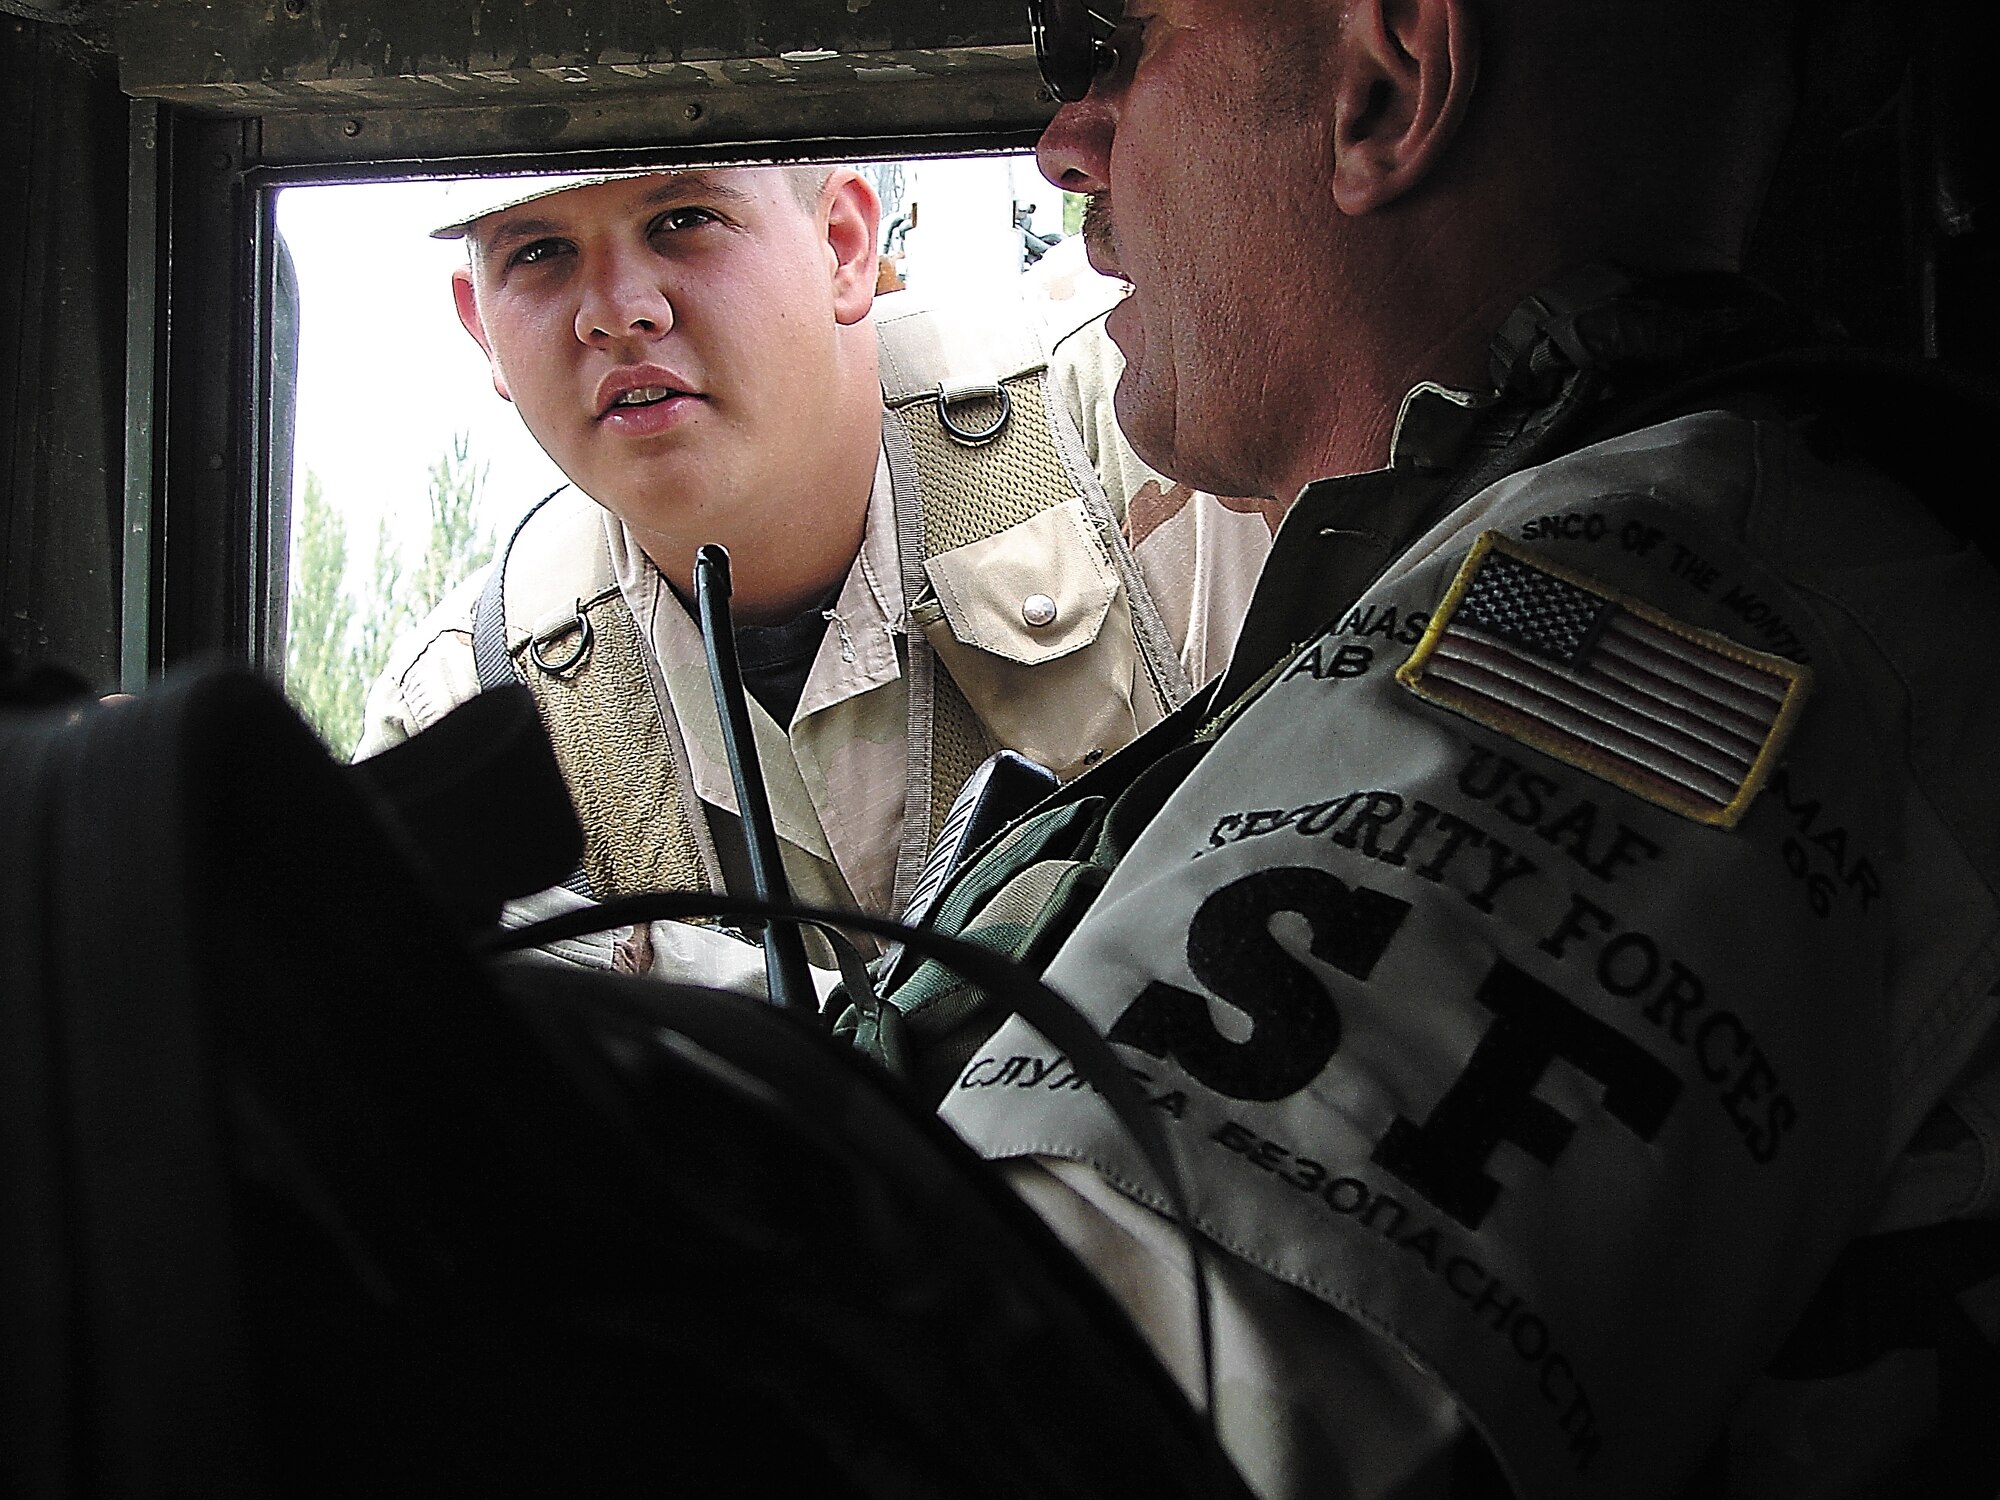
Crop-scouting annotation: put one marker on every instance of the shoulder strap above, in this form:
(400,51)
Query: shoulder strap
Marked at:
(489,632)
(583,658)
(489,614)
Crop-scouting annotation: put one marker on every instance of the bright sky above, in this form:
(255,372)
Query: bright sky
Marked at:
(387,376)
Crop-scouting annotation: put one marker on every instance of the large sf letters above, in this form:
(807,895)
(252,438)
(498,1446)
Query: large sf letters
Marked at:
(1295,1030)
(1296,1025)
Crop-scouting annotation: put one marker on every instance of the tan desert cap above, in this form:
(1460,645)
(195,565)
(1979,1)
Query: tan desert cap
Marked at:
(468,199)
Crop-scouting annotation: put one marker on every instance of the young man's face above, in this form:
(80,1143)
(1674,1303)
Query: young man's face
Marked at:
(675,341)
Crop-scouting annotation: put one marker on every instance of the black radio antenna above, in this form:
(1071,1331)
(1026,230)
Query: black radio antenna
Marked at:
(784,950)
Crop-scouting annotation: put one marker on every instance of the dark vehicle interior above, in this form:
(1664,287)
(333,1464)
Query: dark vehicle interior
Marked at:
(349,1314)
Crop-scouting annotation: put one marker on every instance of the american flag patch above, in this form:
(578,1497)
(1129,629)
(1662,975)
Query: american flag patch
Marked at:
(1682,717)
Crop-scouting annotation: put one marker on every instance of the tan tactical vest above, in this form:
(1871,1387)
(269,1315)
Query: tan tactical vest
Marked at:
(1019,584)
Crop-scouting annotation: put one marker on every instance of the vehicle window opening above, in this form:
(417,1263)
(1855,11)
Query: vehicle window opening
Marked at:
(394,466)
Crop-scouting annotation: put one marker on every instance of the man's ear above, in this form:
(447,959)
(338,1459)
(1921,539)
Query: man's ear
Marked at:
(853,216)
(467,302)
(1404,73)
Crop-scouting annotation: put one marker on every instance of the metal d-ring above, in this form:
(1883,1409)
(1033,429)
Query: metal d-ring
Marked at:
(581,628)
(966,435)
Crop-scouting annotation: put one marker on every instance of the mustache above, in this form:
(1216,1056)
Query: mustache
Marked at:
(1098,228)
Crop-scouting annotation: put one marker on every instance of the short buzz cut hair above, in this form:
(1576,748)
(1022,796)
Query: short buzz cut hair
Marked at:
(808,180)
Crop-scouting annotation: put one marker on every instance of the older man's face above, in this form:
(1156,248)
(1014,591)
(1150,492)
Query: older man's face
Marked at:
(1208,159)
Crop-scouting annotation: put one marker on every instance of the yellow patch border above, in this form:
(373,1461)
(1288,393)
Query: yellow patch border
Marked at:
(1526,729)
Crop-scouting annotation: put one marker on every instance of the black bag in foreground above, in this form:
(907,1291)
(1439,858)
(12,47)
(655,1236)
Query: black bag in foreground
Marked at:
(298,1197)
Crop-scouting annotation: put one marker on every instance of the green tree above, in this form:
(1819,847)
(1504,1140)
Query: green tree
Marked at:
(382,613)
(339,637)
(320,622)
(456,544)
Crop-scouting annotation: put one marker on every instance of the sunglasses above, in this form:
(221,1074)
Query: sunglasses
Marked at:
(1073,42)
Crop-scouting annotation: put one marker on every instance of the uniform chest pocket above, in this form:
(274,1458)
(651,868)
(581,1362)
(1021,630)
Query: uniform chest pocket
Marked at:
(1033,625)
